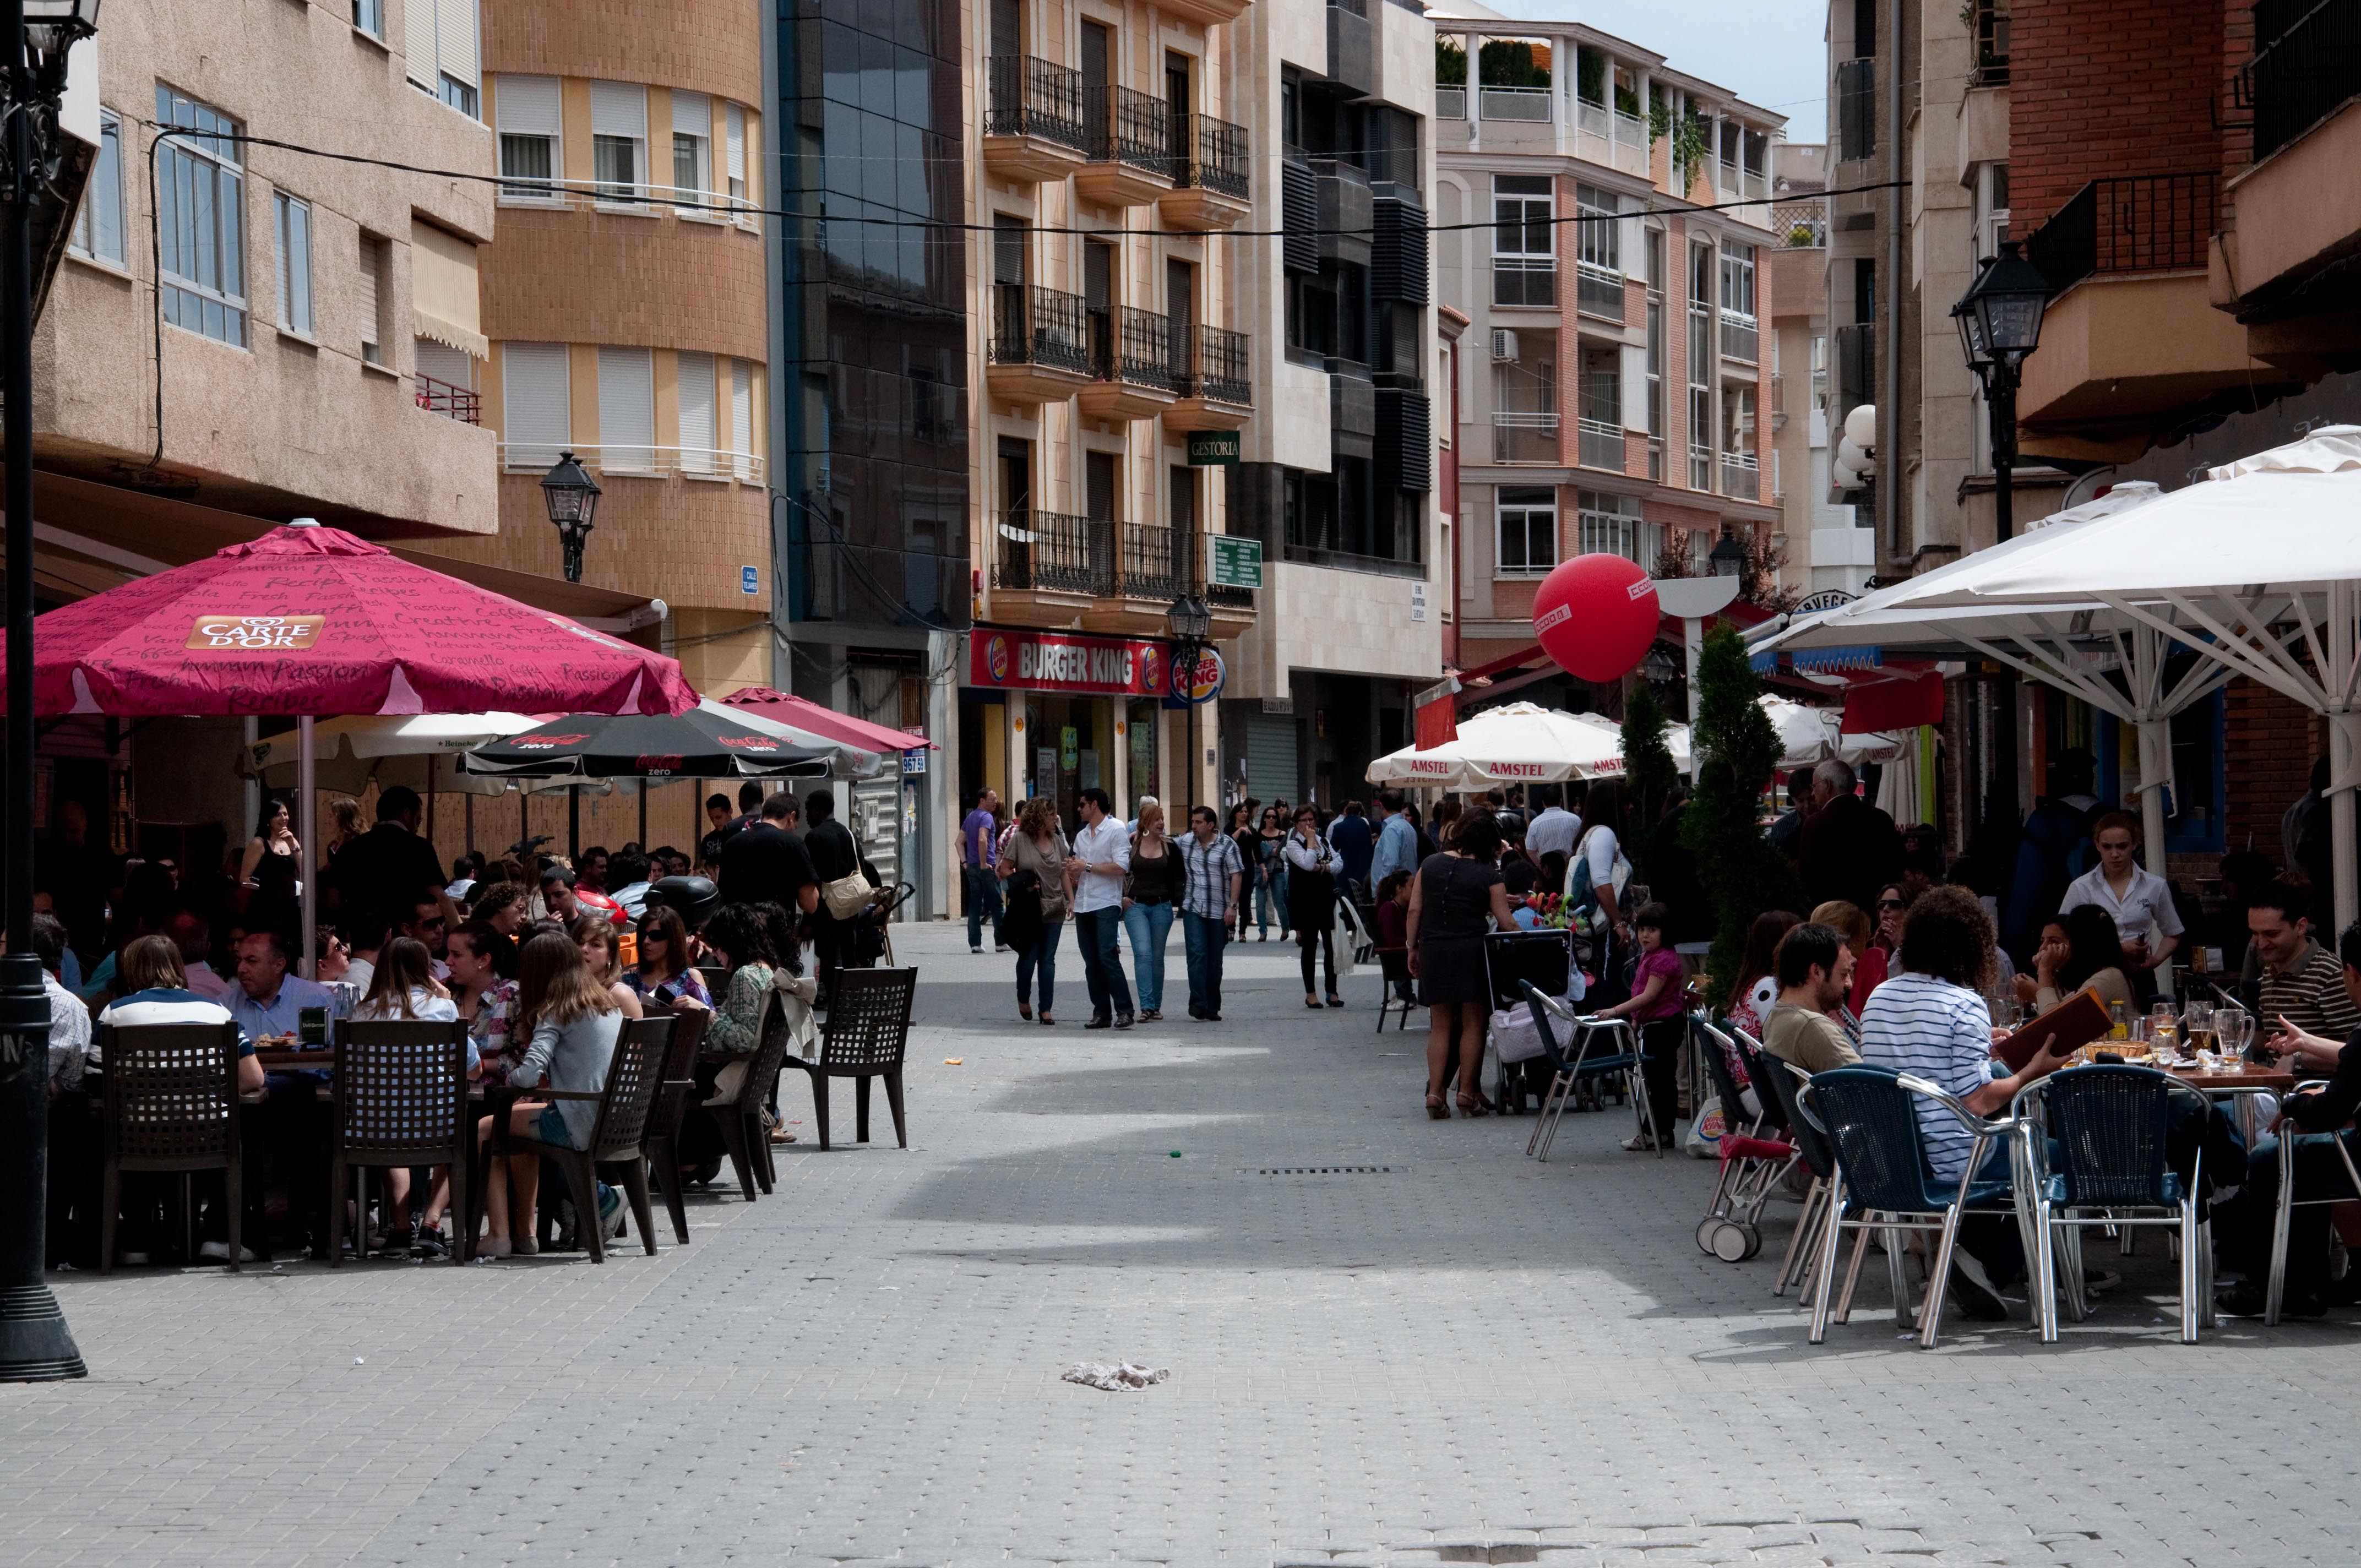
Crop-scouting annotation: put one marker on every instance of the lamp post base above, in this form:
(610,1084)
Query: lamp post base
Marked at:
(36,1346)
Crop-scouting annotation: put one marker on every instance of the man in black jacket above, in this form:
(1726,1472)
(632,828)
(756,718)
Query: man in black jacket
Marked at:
(391,863)
(767,863)
(834,855)
(1850,847)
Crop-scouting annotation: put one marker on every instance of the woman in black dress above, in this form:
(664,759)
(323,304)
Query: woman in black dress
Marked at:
(1312,867)
(1455,891)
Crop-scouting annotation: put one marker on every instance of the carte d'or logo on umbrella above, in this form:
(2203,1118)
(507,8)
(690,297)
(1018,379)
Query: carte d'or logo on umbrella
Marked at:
(256,633)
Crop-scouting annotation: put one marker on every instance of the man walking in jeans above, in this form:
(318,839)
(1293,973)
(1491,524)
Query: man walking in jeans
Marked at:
(977,830)
(1212,871)
(1102,849)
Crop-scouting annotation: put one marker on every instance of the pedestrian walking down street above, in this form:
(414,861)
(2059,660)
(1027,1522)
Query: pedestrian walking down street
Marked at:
(1034,862)
(1454,891)
(1241,831)
(1149,888)
(1102,855)
(1311,871)
(981,880)
(1213,879)
(834,856)
(1271,865)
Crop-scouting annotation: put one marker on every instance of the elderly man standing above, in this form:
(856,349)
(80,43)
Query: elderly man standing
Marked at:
(1850,847)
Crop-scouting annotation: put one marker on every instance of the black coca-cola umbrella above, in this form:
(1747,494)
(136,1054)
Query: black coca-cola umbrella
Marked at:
(707,741)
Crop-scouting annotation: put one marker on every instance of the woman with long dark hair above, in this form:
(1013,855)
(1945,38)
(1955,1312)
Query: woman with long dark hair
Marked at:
(2091,957)
(272,837)
(1756,990)
(570,1024)
(1454,892)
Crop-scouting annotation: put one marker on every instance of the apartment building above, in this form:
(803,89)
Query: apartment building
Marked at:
(1110,150)
(1821,545)
(1338,477)
(1620,358)
(254,348)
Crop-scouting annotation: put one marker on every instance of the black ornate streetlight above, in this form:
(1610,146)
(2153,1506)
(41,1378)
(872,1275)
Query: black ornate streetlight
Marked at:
(34,38)
(1729,557)
(1999,320)
(1191,621)
(572,497)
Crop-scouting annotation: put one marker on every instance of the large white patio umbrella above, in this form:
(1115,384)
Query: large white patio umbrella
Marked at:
(1521,742)
(2065,641)
(2250,571)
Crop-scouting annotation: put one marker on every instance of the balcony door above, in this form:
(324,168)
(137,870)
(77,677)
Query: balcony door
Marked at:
(1024,549)
(1099,472)
(1180,316)
(1007,28)
(1182,481)
(1098,54)
(1098,302)
(1008,249)
(1176,111)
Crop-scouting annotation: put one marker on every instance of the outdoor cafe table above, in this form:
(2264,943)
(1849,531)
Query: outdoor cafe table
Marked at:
(2238,1087)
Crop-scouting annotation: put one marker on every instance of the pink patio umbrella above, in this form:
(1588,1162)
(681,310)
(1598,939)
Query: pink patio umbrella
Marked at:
(309,620)
(827,724)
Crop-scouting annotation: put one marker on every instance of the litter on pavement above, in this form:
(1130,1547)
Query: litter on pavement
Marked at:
(1121,1377)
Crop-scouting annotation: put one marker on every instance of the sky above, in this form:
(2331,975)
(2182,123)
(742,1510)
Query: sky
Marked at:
(1769,52)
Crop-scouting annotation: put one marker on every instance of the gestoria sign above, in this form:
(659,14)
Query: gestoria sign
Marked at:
(1058,661)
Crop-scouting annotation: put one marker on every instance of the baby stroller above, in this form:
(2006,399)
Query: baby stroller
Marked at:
(869,937)
(1754,1162)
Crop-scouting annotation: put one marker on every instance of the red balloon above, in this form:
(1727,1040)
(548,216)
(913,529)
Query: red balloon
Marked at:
(1595,616)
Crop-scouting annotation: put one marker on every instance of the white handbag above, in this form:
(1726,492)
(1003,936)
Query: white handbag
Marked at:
(1515,1037)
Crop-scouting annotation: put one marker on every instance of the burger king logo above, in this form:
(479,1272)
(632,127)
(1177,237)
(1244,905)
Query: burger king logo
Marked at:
(1151,669)
(996,656)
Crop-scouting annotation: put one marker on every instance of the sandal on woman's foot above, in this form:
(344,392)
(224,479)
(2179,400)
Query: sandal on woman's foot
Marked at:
(1472,1108)
(1025,1010)
(1436,1111)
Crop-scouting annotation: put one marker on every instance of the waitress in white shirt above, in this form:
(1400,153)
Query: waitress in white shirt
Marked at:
(2139,900)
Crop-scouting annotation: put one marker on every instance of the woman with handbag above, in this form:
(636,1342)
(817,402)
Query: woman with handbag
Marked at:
(1455,891)
(1312,868)
(1037,849)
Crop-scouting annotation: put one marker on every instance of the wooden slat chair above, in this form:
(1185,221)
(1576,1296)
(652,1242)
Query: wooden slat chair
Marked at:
(867,1027)
(400,1099)
(619,1138)
(170,1105)
(672,1104)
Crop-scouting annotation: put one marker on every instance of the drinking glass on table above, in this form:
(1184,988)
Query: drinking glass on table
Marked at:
(2197,1025)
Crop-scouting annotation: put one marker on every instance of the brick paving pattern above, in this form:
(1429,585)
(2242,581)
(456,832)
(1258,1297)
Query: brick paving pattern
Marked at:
(1469,1358)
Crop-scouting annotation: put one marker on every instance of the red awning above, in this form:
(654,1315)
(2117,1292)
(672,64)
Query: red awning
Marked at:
(1892,699)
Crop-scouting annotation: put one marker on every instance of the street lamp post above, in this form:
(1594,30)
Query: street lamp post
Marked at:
(34,37)
(572,497)
(1999,320)
(1192,620)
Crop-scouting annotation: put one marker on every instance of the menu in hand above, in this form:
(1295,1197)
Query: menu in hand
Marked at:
(2072,1023)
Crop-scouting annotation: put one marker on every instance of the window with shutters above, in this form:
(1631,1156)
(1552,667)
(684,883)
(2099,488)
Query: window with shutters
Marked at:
(618,141)
(442,54)
(1524,241)
(1612,525)
(201,222)
(98,226)
(292,259)
(1527,525)
(537,397)
(627,411)
(736,126)
(373,297)
(531,117)
(742,419)
(699,453)
(692,143)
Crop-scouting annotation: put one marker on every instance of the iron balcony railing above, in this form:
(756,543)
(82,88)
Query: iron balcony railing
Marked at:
(2307,63)
(1031,97)
(1524,437)
(1524,281)
(1210,154)
(1033,326)
(2149,223)
(1598,292)
(1742,338)
(1129,127)
(1134,346)
(1216,366)
(451,402)
(1157,562)
(1054,553)
(1602,445)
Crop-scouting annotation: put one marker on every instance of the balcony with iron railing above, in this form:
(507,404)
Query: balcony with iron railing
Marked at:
(2147,222)
(1598,292)
(1601,444)
(1215,381)
(1132,364)
(1525,281)
(1035,128)
(1158,563)
(451,402)
(2307,64)
(2297,218)
(632,460)
(1741,338)
(1041,345)
(1131,148)
(1047,552)
(1210,161)
(1525,436)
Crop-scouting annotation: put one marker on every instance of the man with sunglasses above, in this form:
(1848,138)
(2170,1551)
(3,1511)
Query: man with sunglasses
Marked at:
(428,926)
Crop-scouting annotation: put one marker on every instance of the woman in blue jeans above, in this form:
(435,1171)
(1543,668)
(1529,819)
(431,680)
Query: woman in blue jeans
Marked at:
(1149,890)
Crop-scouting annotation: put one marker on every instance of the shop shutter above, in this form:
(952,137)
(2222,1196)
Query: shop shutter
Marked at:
(1270,757)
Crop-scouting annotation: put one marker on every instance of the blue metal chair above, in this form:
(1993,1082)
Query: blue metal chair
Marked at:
(1752,1159)
(2105,1162)
(2275,1295)
(1880,1182)
(1588,1064)
(1785,1080)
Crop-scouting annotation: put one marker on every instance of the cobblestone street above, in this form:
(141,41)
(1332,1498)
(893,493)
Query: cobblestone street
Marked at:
(1458,1357)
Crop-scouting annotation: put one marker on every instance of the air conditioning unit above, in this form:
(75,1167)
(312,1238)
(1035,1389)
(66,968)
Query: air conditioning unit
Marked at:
(1504,345)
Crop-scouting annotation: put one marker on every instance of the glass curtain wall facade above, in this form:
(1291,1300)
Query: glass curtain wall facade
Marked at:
(872,467)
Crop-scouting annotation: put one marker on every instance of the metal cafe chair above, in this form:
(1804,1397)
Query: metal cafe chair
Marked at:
(1753,1161)
(1785,1081)
(2276,1296)
(1880,1183)
(1588,1064)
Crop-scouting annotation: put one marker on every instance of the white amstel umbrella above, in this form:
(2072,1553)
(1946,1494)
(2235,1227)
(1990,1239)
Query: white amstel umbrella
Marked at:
(2253,572)
(1519,743)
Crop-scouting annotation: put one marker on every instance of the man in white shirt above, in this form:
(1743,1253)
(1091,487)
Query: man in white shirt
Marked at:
(1102,853)
(1555,829)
